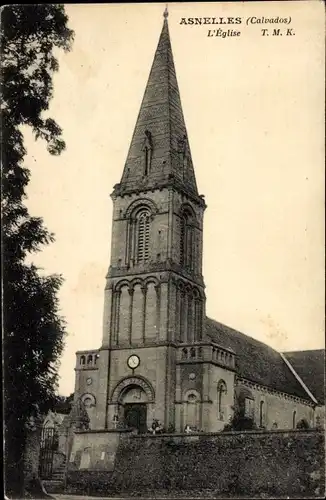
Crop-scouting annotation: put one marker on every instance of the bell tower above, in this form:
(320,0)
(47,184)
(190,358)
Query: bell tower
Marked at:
(154,295)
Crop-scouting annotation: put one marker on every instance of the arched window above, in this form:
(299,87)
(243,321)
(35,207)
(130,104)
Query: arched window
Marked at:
(139,215)
(221,392)
(184,353)
(249,407)
(88,402)
(261,414)
(82,360)
(192,398)
(192,352)
(89,359)
(142,235)
(294,416)
(187,238)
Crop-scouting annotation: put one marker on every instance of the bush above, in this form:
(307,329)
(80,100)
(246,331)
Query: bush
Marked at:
(302,424)
(240,422)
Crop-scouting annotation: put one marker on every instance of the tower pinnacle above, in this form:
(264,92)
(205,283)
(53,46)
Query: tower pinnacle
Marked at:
(159,152)
(166,12)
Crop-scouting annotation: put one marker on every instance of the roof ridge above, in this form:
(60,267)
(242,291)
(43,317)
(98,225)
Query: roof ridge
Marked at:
(305,350)
(245,334)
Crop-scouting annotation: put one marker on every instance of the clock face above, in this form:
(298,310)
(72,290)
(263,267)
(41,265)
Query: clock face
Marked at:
(133,361)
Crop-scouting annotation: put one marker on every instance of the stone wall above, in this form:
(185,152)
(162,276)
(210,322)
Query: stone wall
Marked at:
(94,450)
(281,409)
(251,464)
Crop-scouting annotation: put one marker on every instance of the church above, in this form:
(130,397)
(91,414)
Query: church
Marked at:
(161,357)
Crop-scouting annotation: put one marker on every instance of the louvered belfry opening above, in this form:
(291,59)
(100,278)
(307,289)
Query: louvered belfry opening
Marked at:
(143,236)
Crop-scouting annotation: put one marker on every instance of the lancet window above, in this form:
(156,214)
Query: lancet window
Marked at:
(261,414)
(147,149)
(249,407)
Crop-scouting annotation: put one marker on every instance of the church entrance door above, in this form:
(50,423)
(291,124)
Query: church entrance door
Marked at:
(135,416)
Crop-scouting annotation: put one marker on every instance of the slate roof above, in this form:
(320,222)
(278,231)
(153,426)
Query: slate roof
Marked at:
(310,366)
(256,361)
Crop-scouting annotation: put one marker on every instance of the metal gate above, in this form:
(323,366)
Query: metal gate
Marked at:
(48,444)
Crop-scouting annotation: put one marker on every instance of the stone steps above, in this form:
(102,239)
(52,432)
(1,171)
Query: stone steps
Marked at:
(53,485)
(59,472)
(58,476)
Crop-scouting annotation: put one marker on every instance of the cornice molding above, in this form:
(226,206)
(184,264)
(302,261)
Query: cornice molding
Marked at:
(155,267)
(270,390)
(171,184)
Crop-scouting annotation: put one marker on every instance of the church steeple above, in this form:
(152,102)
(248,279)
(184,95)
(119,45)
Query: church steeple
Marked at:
(159,152)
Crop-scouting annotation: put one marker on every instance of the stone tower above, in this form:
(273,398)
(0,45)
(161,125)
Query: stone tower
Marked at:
(154,307)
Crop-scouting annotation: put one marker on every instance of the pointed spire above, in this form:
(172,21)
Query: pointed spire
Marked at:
(159,152)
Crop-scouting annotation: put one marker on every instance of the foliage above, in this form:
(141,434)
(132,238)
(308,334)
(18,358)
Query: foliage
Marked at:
(240,422)
(63,404)
(33,329)
(171,429)
(302,424)
(237,465)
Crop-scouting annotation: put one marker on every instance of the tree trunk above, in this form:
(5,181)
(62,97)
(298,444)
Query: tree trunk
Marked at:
(15,438)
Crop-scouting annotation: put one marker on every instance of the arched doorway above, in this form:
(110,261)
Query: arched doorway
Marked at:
(133,408)
(132,399)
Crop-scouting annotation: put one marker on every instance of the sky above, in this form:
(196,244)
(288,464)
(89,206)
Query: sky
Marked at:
(253,107)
